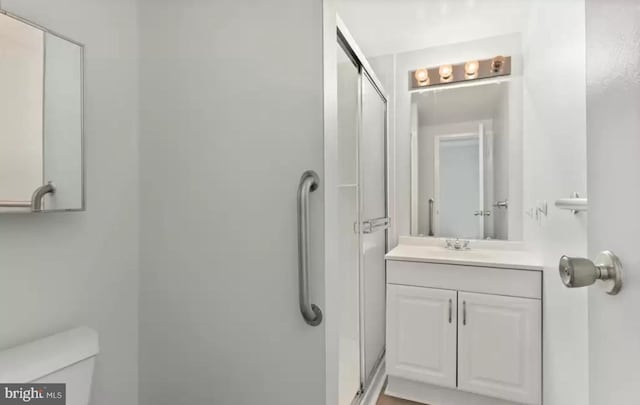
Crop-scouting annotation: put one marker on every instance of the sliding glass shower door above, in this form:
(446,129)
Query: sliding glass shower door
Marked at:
(362,192)
(374,220)
(348,124)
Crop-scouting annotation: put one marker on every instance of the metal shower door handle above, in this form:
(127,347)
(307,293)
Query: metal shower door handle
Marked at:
(373,225)
(309,182)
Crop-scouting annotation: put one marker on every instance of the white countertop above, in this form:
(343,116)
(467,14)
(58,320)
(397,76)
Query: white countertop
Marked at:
(508,255)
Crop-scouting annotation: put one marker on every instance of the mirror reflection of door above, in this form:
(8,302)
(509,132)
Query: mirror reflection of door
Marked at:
(459,183)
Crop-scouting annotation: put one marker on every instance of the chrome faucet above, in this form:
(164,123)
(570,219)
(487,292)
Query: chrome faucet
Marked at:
(457,244)
(38,195)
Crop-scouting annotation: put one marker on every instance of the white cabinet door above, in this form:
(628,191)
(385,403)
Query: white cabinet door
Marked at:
(499,351)
(421,334)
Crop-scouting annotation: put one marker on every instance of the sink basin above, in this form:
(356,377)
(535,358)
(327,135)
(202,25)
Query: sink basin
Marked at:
(485,255)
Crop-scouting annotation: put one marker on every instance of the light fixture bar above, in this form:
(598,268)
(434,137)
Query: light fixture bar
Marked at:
(459,72)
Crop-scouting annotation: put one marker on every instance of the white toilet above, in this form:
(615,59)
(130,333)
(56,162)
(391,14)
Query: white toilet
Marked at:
(66,357)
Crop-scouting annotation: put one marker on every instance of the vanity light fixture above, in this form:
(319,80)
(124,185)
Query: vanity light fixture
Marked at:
(471,69)
(449,73)
(446,73)
(422,77)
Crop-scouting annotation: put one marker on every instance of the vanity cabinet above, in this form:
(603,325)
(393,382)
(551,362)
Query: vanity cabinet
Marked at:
(464,334)
(499,346)
(421,337)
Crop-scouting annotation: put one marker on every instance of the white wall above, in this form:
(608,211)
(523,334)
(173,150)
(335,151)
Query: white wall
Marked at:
(385,27)
(63,270)
(613,102)
(554,167)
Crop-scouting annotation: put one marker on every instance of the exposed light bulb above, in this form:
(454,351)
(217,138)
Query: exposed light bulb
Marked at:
(497,64)
(446,73)
(471,69)
(422,77)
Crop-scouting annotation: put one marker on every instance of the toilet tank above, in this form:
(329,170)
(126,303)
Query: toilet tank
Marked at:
(66,357)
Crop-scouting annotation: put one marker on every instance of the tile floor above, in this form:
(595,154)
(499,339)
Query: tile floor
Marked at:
(386,400)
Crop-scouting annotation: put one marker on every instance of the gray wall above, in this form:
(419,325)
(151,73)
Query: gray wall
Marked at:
(63,270)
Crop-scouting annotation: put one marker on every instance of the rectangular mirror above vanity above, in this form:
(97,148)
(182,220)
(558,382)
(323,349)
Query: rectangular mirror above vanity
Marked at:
(41,119)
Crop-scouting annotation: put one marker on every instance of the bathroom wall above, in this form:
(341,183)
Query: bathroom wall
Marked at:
(68,269)
(554,166)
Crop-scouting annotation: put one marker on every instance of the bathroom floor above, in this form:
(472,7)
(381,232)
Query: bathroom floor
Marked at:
(387,400)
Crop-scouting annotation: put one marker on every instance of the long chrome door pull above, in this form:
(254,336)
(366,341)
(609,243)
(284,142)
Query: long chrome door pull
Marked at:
(450,310)
(431,201)
(464,312)
(309,182)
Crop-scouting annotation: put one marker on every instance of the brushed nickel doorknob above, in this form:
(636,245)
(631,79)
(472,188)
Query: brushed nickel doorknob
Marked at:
(579,272)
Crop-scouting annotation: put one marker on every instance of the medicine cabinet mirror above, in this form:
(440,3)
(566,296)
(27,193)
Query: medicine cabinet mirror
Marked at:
(41,119)
(465,156)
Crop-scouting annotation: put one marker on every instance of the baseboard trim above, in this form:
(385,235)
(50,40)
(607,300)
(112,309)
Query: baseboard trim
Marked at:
(431,394)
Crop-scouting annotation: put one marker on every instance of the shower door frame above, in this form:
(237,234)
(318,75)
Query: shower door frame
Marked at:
(350,47)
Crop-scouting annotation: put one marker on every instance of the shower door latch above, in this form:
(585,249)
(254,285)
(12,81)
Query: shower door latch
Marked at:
(373,225)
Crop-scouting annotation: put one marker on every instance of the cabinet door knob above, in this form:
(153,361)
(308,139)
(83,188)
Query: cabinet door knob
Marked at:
(580,272)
